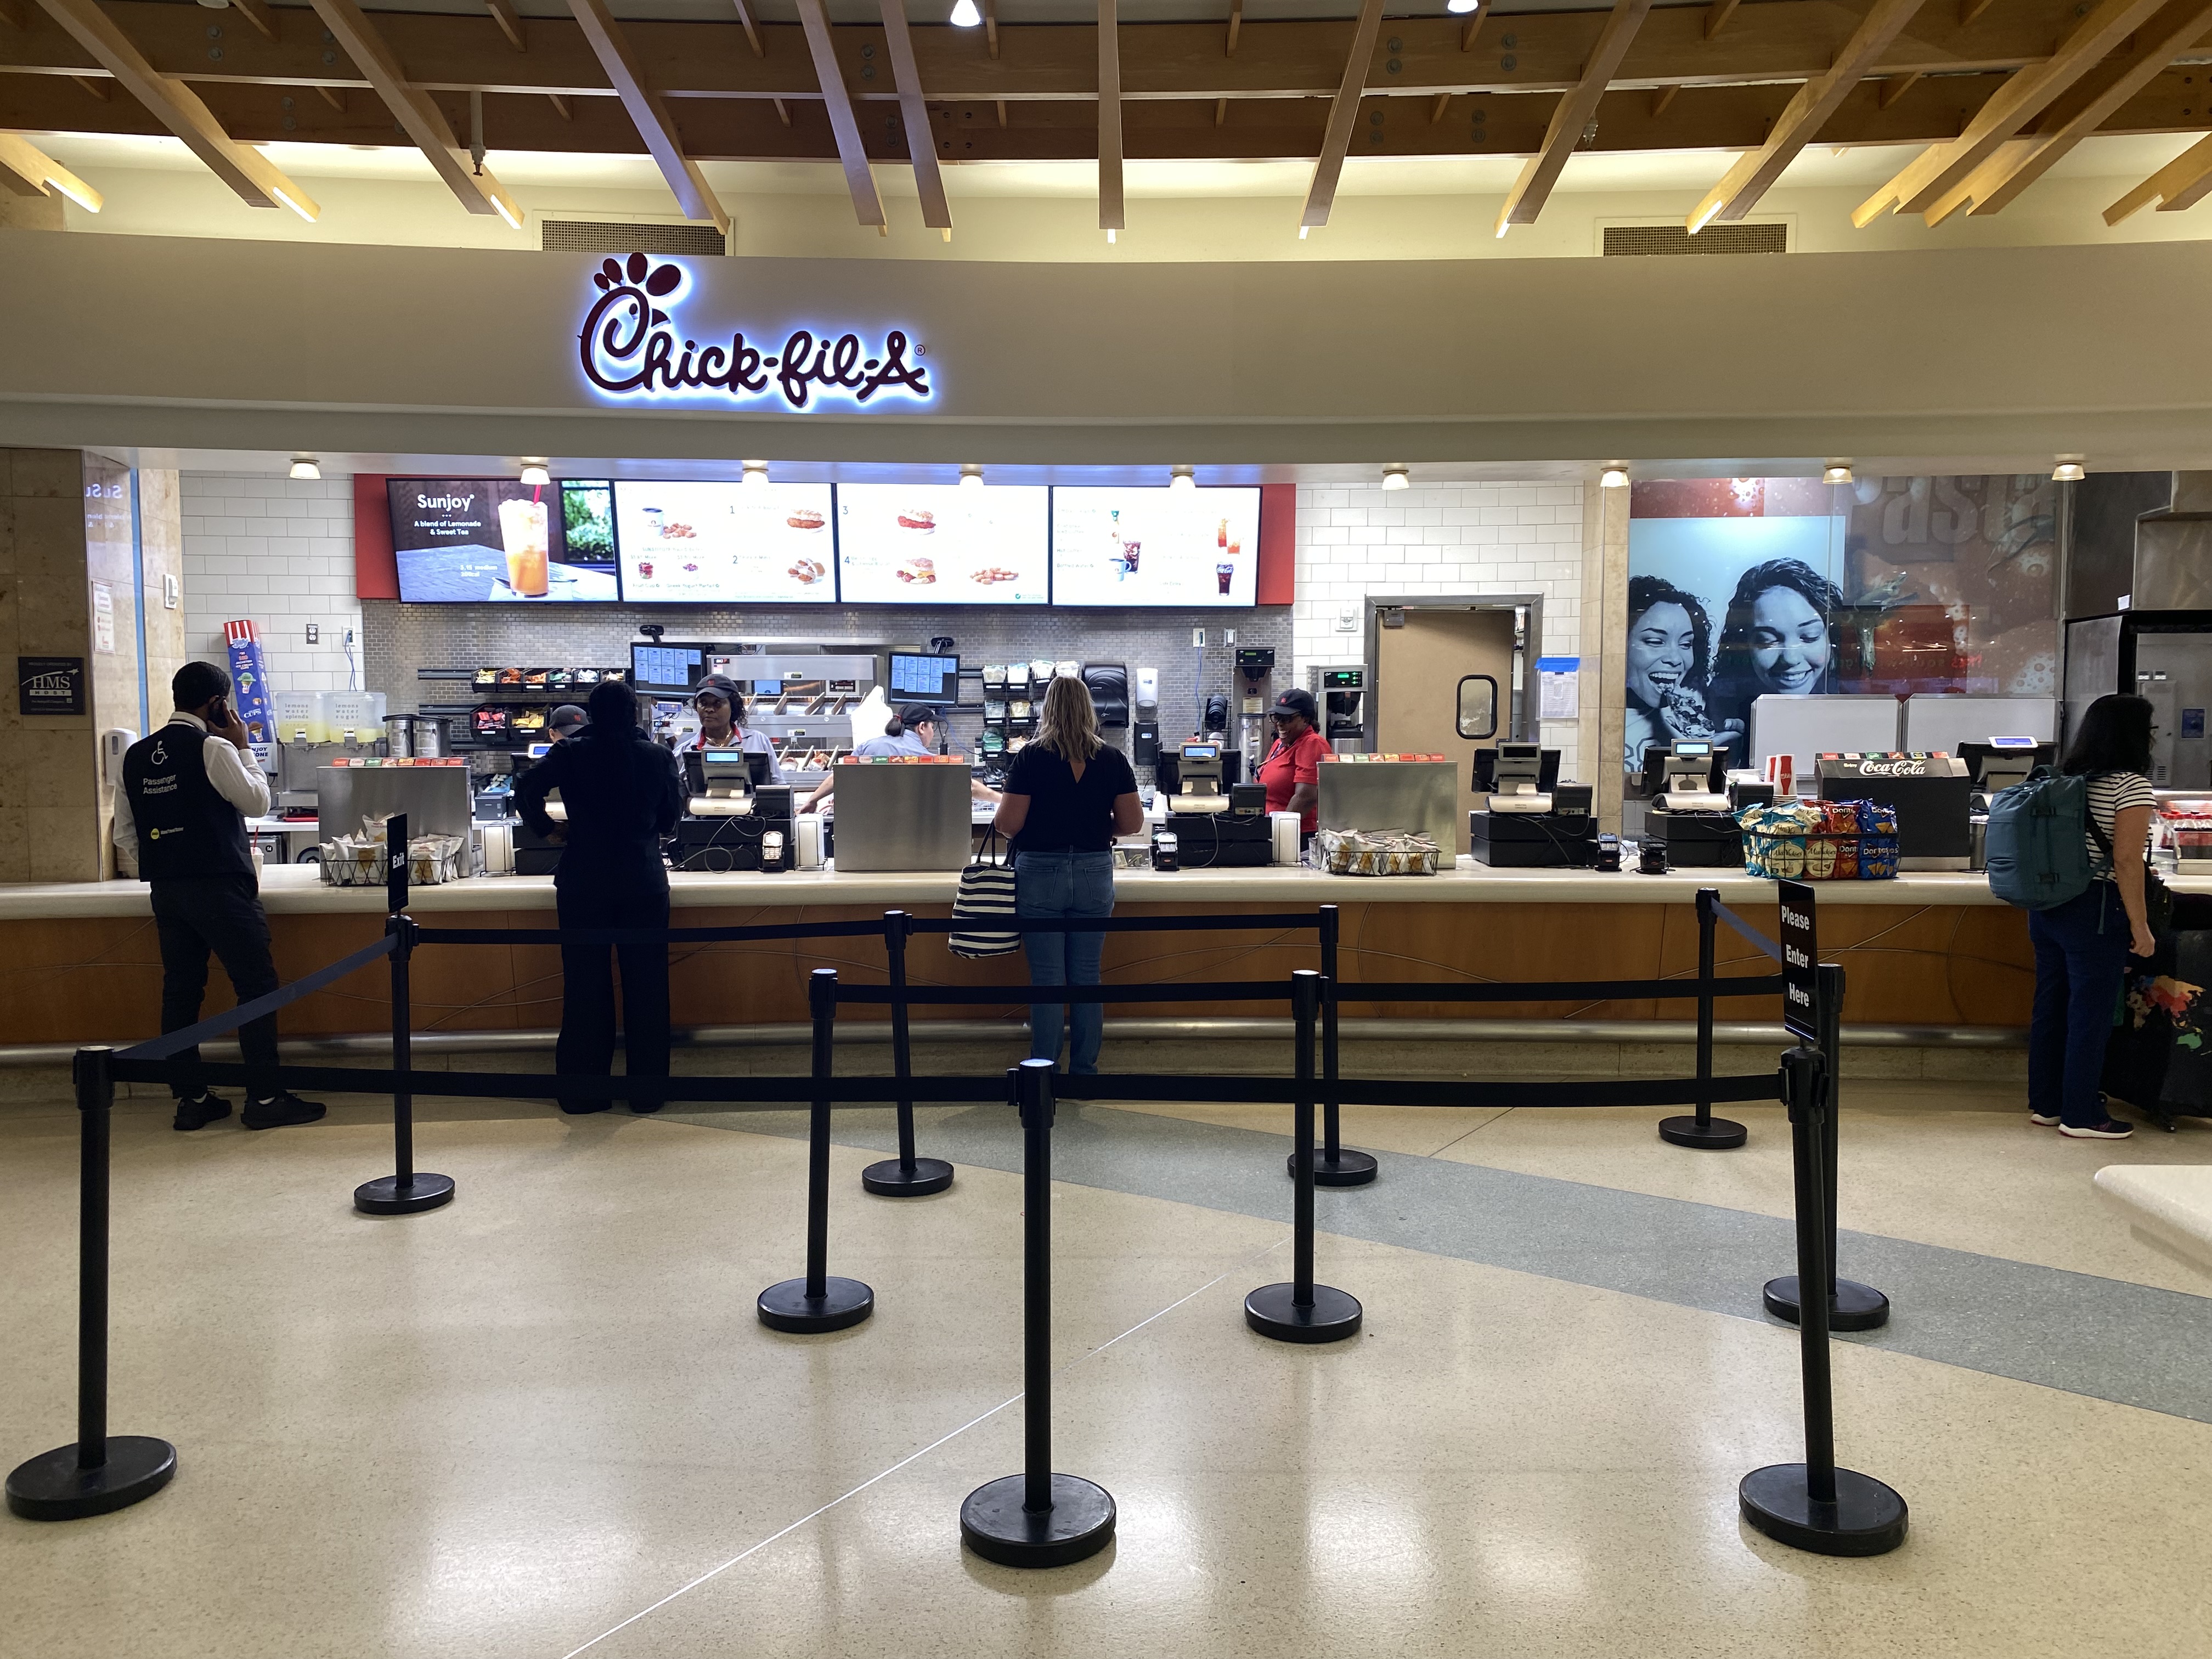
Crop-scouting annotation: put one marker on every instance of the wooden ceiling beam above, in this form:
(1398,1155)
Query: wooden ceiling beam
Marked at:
(2179,184)
(1571,115)
(694,195)
(1343,114)
(1941,168)
(509,21)
(257,181)
(16,13)
(1112,210)
(920,141)
(751,29)
(26,170)
(859,183)
(1787,40)
(1806,112)
(477,190)
(1998,182)
(257,13)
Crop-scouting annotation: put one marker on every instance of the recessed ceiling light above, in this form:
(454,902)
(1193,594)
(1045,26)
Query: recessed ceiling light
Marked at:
(755,472)
(1181,478)
(971,476)
(964,15)
(535,471)
(306,467)
(1836,472)
(2068,471)
(1615,476)
(1395,476)
(1461,8)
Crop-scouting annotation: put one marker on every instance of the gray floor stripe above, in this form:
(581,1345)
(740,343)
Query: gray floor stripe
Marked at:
(2102,1338)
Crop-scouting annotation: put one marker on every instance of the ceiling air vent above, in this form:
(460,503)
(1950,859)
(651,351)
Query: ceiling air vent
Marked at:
(615,236)
(1713,238)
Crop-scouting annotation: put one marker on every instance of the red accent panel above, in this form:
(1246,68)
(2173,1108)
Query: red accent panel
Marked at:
(375,567)
(1279,544)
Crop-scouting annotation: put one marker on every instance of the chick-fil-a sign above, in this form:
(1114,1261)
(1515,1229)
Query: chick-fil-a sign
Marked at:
(632,346)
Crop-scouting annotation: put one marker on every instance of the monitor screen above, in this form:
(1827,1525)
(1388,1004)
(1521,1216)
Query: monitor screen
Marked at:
(462,541)
(933,679)
(942,544)
(1201,751)
(665,667)
(725,543)
(1184,548)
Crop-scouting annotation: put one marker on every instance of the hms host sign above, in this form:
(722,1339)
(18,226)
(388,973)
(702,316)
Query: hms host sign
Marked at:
(634,346)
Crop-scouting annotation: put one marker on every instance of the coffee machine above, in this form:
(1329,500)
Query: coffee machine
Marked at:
(1341,692)
(1256,664)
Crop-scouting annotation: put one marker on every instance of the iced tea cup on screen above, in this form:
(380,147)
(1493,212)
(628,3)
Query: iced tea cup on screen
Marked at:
(522,527)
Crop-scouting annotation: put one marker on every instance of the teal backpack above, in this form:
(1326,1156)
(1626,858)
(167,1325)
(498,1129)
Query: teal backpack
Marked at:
(2034,848)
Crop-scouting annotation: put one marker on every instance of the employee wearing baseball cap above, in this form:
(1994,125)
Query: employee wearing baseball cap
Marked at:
(565,722)
(1291,773)
(721,723)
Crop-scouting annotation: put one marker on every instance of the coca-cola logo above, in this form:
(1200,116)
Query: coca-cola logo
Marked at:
(633,345)
(1892,768)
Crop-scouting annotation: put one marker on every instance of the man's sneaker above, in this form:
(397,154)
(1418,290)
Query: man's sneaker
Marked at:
(2039,1118)
(200,1111)
(2105,1131)
(279,1110)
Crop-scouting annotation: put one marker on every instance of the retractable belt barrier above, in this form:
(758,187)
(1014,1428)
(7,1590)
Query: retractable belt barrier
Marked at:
(1039,1517)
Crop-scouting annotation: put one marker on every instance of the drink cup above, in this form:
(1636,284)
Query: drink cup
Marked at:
(522,528)
(1222,574)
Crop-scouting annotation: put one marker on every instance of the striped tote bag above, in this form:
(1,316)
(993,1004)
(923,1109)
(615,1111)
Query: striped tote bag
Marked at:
(987,893)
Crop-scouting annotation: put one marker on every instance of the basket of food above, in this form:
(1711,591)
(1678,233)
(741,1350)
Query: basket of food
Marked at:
(1819,840)
(1373,853)
(358,860)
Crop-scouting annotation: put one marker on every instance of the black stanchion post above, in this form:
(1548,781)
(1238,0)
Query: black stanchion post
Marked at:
(1704,1131)
(1339,1166)
(406,1190)
(1036,1518)
(1302,1312)
(818,1302)
(102,1471)
(905,1176)
(1851,1306)
(1813,1506)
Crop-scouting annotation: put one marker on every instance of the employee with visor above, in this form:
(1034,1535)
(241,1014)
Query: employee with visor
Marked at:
(721,723)
(912,731)
(1291,772)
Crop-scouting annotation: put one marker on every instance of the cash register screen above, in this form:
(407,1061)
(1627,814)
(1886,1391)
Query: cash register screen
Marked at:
(1201,751)
(726,763)
(933,679)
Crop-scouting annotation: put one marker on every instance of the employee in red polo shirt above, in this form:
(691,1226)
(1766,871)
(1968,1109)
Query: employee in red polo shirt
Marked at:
(1291,773)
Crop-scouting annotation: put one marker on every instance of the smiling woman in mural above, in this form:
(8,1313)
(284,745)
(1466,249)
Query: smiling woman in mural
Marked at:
(1779,635)
(1669,665)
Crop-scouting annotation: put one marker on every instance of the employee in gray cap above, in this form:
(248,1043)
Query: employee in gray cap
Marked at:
(565,722)
(721,723)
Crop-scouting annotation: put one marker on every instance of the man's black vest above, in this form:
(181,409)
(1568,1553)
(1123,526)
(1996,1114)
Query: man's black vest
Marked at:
(186,827)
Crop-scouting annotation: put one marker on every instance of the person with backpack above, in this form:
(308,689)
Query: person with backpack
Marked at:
(2069,847)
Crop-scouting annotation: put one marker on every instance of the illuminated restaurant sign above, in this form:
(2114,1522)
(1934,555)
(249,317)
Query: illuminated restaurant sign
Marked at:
(632,346)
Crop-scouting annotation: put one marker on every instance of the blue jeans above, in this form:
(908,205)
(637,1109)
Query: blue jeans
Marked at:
(2080,953)
(1065,884)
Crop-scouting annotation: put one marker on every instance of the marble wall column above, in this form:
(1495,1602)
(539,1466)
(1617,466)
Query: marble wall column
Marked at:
(1605,643)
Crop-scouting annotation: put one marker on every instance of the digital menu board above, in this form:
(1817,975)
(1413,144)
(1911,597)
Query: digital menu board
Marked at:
(942,544)
(466,540)
(725,543)
(1186,548)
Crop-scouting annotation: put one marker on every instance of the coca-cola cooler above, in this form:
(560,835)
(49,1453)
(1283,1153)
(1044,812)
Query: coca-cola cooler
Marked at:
(1929,791)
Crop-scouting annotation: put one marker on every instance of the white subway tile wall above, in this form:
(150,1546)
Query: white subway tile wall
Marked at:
(279,552)
(1440,539)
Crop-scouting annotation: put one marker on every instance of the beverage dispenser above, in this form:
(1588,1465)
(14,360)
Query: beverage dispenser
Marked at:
(1341,692)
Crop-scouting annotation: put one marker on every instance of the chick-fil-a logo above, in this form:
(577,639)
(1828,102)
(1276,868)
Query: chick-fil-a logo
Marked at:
(631,347)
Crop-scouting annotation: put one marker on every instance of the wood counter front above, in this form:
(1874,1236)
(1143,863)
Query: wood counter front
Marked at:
(81,963)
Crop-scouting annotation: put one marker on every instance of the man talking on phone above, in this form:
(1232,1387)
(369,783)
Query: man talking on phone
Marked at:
(187,793)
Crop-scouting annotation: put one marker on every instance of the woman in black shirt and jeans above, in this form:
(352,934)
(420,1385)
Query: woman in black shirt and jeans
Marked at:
(1068,795)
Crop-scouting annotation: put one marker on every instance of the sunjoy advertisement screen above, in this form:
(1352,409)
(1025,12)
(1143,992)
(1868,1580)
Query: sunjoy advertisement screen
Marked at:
(470,540)
(726,542)
(942,544)
(1185,548)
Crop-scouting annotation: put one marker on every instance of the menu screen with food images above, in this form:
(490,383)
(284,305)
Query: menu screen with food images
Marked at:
(726,543)
(942,544)
(1186,548)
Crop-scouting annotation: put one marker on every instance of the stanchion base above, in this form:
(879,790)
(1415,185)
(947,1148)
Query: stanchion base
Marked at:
(1857,1307)
(1333,1316)
(1716,1134)
(51,1487)
(892,1179)
(844,1302)
(1348,1168)
(1079,1524)
(1866,1518)
(385,1196)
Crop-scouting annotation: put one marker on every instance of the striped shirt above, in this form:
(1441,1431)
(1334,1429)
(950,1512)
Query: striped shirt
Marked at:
(2111,794)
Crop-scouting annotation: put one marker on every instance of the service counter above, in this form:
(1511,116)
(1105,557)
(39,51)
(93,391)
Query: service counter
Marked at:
(80,963)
